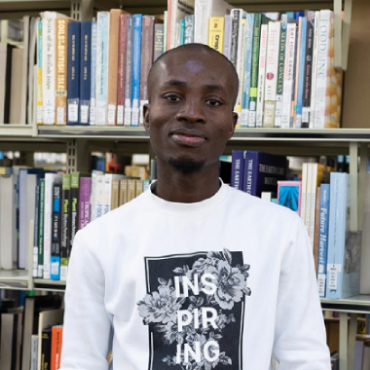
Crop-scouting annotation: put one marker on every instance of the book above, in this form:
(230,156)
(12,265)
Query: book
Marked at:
(84,202)
(5,81)
(55,232)
(34,352)
(75,186)
(138,187)
(128,78)
(131,189)
(45,349)
(216,33)
(40,258)
(73,99)
(323,238)
(108,190)
(177,10)
(61,71)
(56,346)
(7,341)
(227,36)
(262,171)
(66,226)
(261,75)
(16,85)
(289,195)
(123,192)
(122,50)
(92,114)
(158,38)
(85,72)
(93,196)
(316,228)
(189,30)
(237,168)
(35,257)
(115,194)
(39,116)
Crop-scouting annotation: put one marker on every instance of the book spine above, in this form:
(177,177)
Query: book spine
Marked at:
(169,23)
(122,48)
(128,81)
(314,68)
(250,172)
(272,61)
(93,196)
(288,74)
(115,15)
(216,33)
(261,75)
(40,119)
(312,213)
(189,29)
(182,36)
(66,221)
(74,37)
(247,70)
(49,181)
(123,187)
(45,349)
(254,71)
(40,259)
(301,73)
(323,238)
(137,19)
(337,227)
(75,186)
(102,56)
(48,70)
(308,197)
(34,351)
(36,230)
(158,38)
(306,108)
(237,169)
(138,188)
(108,178)
(55,245)
(316,227)
(322,68)
(99,195)
(56,347)
(240,61)
(296,75)
(84,203)
(227,36)
(280,72)
(236,15)
(92,114)
(131,190)
(61,70)
(115,194)
(85,72)
(165,17)
(201,14)
(146,62)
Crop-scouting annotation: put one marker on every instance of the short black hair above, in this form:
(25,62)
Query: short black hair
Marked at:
(198,48)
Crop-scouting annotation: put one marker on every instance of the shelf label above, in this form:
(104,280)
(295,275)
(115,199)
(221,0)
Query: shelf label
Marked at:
(92,112)
(84,114)
(321,280)
(73,112)
(120,115)
(333,271)
(60,116)
(111,114)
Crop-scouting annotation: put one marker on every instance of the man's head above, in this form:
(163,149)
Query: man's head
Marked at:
(192,92)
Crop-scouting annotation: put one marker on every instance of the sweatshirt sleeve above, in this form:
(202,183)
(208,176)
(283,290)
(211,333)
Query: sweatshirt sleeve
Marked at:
(87,324)
(300,336)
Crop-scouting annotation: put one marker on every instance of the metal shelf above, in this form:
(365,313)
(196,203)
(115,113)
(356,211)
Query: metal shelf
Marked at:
(17,131)
(14,279)
(357,304)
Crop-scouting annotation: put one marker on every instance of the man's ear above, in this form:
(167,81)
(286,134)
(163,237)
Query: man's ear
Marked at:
(146,112)
(234,122)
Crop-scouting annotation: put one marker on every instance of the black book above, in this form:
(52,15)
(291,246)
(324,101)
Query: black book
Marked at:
(56,232)
(66,226)
(46,349)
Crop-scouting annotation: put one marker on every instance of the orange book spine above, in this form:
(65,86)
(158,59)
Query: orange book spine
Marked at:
(56,347)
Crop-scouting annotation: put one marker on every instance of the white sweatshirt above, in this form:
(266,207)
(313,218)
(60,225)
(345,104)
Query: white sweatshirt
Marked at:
(219,284)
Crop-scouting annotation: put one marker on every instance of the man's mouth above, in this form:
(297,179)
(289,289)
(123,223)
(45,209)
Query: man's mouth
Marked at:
(192,138)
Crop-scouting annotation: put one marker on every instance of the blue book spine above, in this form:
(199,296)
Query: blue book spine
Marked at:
(85,69)
(102,56)
(250,172)
(39,72)
(237,169)
(128,82)
(56,232)
(138,19)
(92,115)
(73,94)
(323,238)
(182,35)
(247,70)
(337,234)
(301,75)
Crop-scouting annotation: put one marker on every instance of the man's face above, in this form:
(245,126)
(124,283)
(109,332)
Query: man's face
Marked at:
(190,116)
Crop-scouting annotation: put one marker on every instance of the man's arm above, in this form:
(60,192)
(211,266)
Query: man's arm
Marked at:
(87,325)
(300,338)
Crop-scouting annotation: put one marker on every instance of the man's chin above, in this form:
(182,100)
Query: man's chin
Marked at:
(186,165)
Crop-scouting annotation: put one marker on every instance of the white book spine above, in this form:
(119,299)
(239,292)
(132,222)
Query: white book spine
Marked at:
(34,351)
(314,68)
(272,60)
(288,74)
(93,74)
(304,191)
(94,182)
(311,229)
(308,196)
(240,61)
(108,178)
(322,77)
(48,69)
(100,187)
(201,16)
(261,75)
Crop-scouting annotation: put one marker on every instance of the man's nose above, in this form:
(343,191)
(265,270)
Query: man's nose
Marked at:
(192,111)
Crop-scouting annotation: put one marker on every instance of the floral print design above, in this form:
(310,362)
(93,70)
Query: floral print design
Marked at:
(161,307)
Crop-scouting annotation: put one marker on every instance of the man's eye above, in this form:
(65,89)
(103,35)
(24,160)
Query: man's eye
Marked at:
(214,103)
(172,98)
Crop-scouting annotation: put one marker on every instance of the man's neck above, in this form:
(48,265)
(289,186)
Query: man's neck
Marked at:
(175,186)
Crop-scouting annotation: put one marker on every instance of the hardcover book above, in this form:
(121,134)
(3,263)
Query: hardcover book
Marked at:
(289,195)
(56,230)
(237,168)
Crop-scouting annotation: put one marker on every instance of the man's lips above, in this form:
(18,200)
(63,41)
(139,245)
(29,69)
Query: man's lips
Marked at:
(192,138)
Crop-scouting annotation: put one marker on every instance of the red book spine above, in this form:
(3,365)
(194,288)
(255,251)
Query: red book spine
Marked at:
(122,46)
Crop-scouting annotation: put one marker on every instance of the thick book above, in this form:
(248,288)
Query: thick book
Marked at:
(138,187)
(114,34)
(102,62)
(84,202)
(289,195)
(5,81)
(66,225)
(344,246)
(122,50)
(262,171)
(131,189)
(261,75)
(136,63)
(216,33)
(56,346)
(323,238)
(158,38)
(237,168)
(55,232)
(61,69)
(40,245)
(73,97)
(85,72)
(128,77)
(92,114)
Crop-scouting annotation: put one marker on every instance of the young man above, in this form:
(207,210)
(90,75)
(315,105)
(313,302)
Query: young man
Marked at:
(193,274)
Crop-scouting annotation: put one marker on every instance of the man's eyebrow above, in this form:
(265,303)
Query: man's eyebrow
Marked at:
(175,83)
(214,87)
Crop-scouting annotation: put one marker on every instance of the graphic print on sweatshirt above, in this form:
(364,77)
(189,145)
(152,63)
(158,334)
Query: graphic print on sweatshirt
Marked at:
(194,308)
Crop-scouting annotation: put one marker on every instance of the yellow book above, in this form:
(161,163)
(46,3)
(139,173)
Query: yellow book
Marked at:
(216,33)
(39,73)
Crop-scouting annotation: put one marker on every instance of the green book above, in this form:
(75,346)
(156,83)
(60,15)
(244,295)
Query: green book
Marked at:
(66,225)
(40,265)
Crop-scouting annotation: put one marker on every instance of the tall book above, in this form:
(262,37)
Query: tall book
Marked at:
(203,10)
(74,40)
(36,231)
(92,115)
(298,50)
(227,36)
(56,346)
(216,33)
(123,191)
(136,64)
(34,351)
(272,62)
(84,202)
(45,349)
(93,198)
(114,21)
(115,194)
(40,260)
(261,75)
(23,102)
(102,63)
(146,61)
(122,51)
(108,190)
(237,168)
(66,226)
(16,85)
(189,31)
(75,186)
(5,81)
(85,71)
(40,118)
(158,40)
(128,77)
(61,70)
(344,252)
(55,232)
